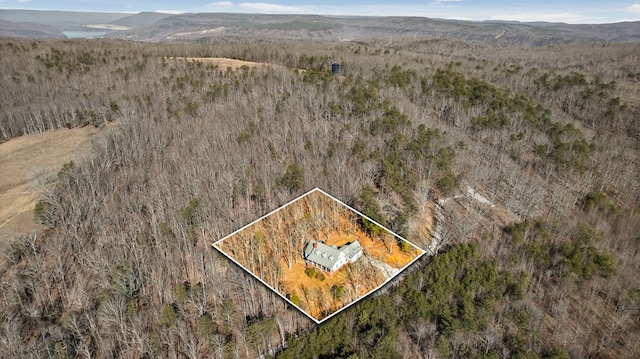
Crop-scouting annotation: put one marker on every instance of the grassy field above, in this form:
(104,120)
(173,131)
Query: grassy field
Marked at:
(25,158)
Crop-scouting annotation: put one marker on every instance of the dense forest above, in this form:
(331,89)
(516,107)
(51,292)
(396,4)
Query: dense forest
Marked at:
(544,267)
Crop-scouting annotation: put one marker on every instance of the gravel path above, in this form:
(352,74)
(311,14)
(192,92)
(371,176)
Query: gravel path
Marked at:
(387,270)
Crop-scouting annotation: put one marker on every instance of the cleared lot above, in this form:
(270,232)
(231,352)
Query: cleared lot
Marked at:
(20,159)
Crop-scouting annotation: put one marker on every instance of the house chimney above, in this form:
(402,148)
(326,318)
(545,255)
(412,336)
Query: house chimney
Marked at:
(315,244)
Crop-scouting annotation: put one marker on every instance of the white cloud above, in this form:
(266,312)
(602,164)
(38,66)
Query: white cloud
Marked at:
(23,1)
(464,18)
(270,8)
(634,8)
(221,4)
(549,17)
(171,12)
(438,2)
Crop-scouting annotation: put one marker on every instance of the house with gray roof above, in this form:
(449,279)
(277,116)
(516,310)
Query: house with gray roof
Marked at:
(331,258)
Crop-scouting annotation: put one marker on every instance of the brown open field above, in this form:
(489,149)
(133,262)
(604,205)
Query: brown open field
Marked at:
(221,62)
(20,159)
(225,62)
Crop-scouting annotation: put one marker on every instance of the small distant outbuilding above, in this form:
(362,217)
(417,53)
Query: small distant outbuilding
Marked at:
(335,68)
(331,258)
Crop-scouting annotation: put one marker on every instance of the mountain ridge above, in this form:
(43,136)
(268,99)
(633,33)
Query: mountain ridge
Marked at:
(161,27)
(28,30)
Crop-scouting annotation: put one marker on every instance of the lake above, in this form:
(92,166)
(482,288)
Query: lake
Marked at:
(84,34)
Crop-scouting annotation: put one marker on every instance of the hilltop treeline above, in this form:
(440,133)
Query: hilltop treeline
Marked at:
(191,152)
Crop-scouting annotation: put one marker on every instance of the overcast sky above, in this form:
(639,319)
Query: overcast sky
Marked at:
(569,11)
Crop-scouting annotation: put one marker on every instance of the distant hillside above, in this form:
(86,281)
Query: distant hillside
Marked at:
(28,29)
(63,20)
(157,27)
(189,26)
(141,19)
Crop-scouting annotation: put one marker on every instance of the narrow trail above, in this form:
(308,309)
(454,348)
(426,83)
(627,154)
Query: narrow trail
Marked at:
(439,231)
(387,270)
(478,197)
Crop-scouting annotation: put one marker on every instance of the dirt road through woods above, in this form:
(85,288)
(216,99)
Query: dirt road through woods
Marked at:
(20,159)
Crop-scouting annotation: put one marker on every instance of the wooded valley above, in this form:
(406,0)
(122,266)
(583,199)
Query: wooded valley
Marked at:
(190,152)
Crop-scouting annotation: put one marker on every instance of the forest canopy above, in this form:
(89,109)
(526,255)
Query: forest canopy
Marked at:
(528,157)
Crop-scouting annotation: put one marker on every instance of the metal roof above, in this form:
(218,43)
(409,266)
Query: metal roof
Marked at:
(324,255)
(327,256)
(351,249)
